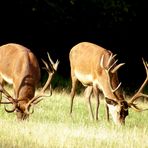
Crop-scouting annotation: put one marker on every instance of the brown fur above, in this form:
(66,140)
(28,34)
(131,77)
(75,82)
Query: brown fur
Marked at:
(85,59)
(20,65)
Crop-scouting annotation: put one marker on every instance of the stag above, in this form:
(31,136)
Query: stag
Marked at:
(96,68)
(19,67)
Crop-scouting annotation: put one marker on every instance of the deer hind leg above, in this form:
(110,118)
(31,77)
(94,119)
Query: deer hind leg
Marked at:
(88,93)
(107,112)
(96,94)
(2,84)
(73,90)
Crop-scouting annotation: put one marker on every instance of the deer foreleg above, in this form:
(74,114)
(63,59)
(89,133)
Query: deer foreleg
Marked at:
(107,112)
(88,93)
(73,89)
(96,94)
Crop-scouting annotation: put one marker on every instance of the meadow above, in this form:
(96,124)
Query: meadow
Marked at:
(51,126)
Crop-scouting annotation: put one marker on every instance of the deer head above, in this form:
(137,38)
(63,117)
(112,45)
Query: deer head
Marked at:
(119,108)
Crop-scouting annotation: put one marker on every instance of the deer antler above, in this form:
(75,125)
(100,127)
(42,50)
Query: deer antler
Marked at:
(11,100)
(111,67)
(51,68)
(139,93)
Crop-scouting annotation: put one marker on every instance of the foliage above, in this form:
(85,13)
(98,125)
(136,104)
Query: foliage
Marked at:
(72,11)
(56,26)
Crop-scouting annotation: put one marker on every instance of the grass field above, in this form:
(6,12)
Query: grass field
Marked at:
(51,126)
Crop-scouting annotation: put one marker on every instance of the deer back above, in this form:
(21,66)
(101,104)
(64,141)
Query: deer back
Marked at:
(19,66)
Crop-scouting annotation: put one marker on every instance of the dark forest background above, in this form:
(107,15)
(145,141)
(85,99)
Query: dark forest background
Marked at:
(57,25)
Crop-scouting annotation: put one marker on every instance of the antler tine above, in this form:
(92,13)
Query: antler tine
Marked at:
(117,67)
(109,61)
(53,65)
(114,90)
(50,58)
(56,65)
(46,66)
(112,65)
(8,96)
(12,110)
(139,92)
(146,67)
(111,58)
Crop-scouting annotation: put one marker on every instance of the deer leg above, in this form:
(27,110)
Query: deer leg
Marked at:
(73,89)
(0,96)
(1,83)
(96,94)
(107,112)
(88,93)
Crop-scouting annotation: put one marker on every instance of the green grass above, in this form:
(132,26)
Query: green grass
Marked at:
(51,126)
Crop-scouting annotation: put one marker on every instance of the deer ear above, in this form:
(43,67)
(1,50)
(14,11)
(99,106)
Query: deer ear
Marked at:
(111,102)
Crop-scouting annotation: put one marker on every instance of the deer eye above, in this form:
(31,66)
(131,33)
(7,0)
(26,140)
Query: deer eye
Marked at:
(125,105)
(111,102)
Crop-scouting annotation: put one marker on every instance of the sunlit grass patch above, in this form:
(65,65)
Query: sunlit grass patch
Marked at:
(51,126)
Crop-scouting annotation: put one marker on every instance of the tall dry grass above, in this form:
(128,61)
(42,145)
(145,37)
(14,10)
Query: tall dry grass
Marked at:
(52,126)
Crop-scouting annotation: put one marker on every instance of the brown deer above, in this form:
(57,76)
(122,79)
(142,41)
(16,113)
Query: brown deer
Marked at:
(19,67)
(96,68)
